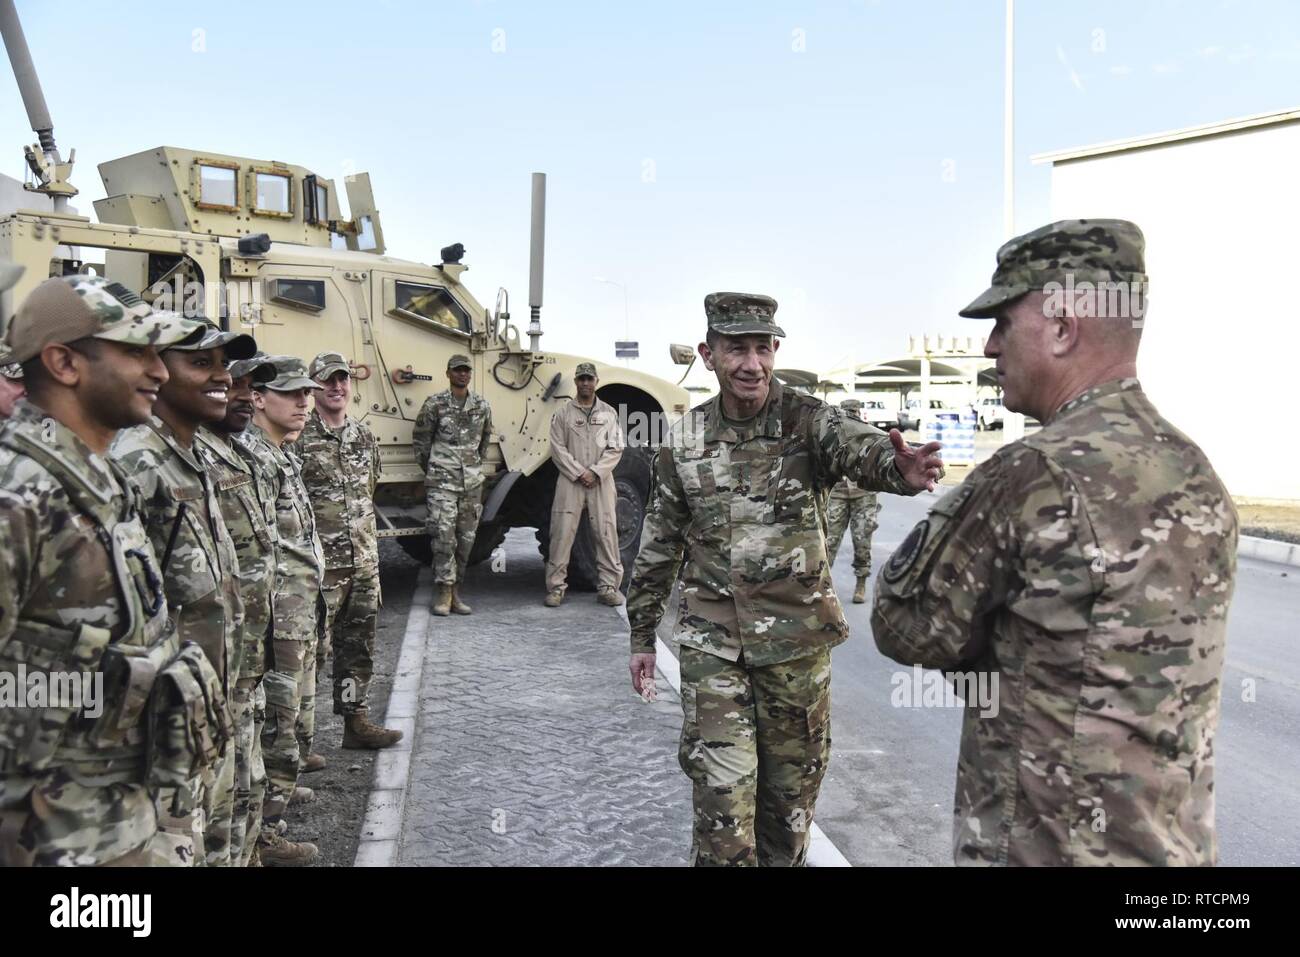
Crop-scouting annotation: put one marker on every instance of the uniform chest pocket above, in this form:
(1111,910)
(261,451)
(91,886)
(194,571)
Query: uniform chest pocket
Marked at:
(701,484)
(791,490)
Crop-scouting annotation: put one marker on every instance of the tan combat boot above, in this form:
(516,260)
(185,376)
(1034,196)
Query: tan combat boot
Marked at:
(275,851)
(301,795)
(554,597)
(313,762)
(458,606)
(610,596)
(860,593)
(360,733)
(442,600)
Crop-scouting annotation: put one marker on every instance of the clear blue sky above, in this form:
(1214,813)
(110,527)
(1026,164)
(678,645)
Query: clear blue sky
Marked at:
(690,147)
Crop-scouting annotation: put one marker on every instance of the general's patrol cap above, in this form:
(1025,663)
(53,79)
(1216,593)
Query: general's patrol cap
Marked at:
(741,313)
(458,361)
(290,374)
(585,368)
(328,363)
(67,308)
(1088,250)
(259,366)
(236,345)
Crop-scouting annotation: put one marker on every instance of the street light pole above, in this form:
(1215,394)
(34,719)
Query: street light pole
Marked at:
(627,326)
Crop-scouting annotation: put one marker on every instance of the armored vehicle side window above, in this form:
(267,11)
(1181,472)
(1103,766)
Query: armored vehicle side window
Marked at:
(217,187)
(272,196)
(433,303)
(301,293)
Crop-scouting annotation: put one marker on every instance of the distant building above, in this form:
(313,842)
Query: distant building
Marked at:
(1220,209)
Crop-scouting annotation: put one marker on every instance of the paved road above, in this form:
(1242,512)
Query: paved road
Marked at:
(888,793)
(530,747)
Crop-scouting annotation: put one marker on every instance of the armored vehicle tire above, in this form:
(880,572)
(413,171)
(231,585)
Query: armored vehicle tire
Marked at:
(632,481)
(488,538)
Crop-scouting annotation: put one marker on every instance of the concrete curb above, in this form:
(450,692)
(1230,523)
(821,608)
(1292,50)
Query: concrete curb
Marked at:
(821,852)
(382,828)
(1269,550)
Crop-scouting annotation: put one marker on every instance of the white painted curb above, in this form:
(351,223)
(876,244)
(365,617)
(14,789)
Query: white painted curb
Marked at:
(1269,550)
(821,851)
(382,828)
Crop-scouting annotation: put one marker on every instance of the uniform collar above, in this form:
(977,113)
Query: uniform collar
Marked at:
(1098,392)
(221,446)
(767,422)
(316,420)
(67,448)
(164,432)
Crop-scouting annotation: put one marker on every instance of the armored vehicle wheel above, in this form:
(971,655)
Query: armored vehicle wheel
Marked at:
(632,481)
(488,538)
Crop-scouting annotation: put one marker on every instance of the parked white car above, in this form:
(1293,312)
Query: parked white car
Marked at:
(875,412)
(990,414)
(910,417)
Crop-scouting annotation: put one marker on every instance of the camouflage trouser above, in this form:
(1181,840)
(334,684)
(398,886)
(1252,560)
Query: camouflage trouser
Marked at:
(452,523)
(304,725)
(352,595)
(859,516)
(180,822)
(755,742)
(250,772)
(219,808)
(281,687)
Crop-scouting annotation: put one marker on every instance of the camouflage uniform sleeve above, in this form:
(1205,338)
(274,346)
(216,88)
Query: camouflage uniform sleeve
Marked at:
(847,448)
(1009,537)
(663,544)
(426,426)
(486,440)
(375,463)
(18,540)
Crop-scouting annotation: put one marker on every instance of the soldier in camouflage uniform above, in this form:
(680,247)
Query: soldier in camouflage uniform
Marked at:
(452,434)
(1089,567)
(739,495)
(854,509)
(188,533)
(297,605)
(340,466)
(80,586)
(249,513)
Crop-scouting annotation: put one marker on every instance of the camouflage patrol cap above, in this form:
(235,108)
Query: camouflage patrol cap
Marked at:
(68,308)
(851,405)
(458,361)
(290,374)
(326,364)
(237,345)
(585,368)
(259,366)
(741,313)
(1089,250)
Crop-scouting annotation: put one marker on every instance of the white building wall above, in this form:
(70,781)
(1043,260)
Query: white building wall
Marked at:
(1221,347)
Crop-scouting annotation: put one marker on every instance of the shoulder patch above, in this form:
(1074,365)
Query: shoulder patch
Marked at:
(903,558)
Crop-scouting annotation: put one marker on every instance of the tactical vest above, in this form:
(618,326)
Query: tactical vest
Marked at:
(161,718)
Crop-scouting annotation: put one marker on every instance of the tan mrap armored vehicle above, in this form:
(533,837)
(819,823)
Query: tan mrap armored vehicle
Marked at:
(261,247)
